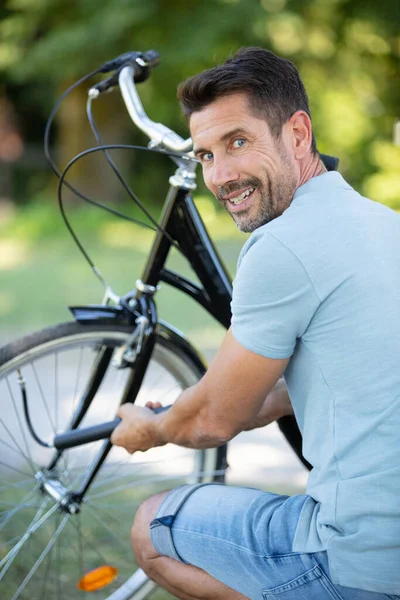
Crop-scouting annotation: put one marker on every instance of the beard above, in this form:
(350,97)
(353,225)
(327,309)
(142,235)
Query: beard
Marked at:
(275,196)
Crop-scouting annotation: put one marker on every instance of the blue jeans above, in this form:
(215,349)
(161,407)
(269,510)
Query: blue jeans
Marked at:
(243,537)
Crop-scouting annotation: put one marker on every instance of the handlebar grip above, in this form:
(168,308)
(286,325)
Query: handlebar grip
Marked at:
(152,58)
(78,437)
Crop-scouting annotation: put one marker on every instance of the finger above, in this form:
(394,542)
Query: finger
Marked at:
(124,410)
(151,404)
(114,436)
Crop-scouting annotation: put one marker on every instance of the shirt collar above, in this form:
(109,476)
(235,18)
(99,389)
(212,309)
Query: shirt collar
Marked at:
(331,180)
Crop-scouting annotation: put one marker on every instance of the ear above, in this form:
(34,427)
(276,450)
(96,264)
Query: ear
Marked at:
(301,133)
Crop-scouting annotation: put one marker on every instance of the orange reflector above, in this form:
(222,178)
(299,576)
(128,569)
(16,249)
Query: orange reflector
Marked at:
(98,578)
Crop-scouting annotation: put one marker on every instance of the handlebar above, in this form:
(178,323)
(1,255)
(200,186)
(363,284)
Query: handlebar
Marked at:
(131,68)
(78,437)
(157,132)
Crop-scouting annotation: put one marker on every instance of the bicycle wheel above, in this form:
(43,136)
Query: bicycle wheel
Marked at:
(44,550)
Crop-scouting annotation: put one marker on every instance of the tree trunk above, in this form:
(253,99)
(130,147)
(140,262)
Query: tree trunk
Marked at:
(92,175)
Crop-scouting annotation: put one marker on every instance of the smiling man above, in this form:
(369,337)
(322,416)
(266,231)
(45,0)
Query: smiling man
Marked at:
(315,299)
(252,174)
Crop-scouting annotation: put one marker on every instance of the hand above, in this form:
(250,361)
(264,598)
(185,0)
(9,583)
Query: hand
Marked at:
(138,429)
(276,405)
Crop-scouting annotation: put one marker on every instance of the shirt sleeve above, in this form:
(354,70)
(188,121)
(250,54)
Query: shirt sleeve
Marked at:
(273,297)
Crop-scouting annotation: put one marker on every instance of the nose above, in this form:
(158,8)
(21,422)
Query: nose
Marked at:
(223,171)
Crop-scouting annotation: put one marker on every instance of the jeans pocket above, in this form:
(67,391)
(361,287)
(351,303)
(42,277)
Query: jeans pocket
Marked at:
(312,585)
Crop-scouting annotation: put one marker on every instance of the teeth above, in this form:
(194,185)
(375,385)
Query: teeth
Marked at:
(242,196)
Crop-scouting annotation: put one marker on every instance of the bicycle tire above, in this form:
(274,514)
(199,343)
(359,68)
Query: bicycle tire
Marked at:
(30,519)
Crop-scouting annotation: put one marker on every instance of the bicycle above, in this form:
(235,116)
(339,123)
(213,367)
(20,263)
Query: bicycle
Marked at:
(119,351)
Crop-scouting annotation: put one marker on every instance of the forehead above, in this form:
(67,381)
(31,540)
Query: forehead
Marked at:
(225,114)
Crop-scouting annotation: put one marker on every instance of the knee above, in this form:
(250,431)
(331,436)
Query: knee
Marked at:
(140,533)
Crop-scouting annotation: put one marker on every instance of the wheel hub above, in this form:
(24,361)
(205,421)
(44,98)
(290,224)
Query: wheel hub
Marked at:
(51,486)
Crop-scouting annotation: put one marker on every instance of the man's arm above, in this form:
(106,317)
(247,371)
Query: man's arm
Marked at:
(224,402)
(276,405)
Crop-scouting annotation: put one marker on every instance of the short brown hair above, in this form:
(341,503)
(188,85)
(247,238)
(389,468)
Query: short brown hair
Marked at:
(272,84)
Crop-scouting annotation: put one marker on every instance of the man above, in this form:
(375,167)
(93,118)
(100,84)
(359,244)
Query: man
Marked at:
(315,299)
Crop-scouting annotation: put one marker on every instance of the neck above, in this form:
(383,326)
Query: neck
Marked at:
(312,168)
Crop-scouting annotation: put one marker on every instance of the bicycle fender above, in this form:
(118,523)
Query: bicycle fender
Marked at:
(182,344)
(89,313)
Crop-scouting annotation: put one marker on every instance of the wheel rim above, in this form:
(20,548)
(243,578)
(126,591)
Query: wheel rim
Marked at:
(44,551)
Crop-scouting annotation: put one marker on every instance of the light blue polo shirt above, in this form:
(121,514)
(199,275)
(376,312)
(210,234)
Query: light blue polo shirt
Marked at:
(321,284)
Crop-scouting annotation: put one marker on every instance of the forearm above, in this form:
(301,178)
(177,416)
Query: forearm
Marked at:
(276,405)
(189,422)
(230,396)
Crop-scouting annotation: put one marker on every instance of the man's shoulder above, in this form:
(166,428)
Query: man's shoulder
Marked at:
(327,211)
(327,223)
(271,256)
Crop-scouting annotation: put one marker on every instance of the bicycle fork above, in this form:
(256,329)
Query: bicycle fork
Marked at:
(135,354)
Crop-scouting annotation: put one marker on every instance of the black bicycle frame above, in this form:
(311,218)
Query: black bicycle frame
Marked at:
(181,220)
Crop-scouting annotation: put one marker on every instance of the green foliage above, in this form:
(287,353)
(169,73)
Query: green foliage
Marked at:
(347,52)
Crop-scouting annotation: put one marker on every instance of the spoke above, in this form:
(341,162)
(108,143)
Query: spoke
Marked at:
(17,508)
(77,380)
(12,541)
(112,478)
(22,453)
(14,551)
(135,468)
(80,555)
(46,575)
(41,557)
(35,524)
(56,388)
(16,484)
(43,398)
(103,523)
(122,509)
(12,447)
(58,569)
(117,380)
(14,469)
(93,546)
(156,479)
(66,470)
(157,382)
(69,466)
(22,429)
(171,389)
(4,503)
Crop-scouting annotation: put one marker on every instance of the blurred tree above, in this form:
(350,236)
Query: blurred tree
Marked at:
(348,54)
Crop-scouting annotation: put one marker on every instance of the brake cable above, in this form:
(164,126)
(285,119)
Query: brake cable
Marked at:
(21,382)
(115,64)
(101,148)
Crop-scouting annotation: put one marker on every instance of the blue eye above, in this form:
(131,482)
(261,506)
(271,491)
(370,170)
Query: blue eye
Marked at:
(206,157)
(239,143)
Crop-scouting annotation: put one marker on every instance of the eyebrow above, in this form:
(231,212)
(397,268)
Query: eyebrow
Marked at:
(224,138)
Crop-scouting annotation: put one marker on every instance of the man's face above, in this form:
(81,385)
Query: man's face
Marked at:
(252,174)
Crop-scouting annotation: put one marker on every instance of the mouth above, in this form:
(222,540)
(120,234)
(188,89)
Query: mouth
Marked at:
(240,201)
